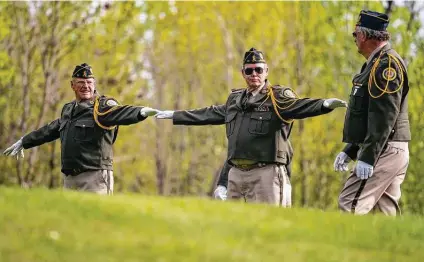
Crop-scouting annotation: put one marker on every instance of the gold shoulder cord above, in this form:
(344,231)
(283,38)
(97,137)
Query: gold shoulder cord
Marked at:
(97,113)
(372,77)
(276,106)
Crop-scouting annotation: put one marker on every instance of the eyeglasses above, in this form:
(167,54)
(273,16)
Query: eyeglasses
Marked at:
(84,82)
(249,71)
(354,34)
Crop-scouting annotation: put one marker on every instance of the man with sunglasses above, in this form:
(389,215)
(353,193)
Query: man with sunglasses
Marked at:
(257,150)
(376,127)
(87,128)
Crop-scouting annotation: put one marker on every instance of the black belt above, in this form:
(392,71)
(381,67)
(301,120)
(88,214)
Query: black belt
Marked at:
(74,172)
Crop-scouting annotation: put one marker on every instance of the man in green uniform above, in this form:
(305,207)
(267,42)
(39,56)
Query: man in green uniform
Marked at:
(87,128)
(253,117)
(376,127)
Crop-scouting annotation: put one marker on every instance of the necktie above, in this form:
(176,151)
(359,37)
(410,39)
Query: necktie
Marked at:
(246,99)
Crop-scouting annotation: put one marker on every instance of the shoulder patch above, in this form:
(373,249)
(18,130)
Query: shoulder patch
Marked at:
(389,74)
(111,102)
(289,93)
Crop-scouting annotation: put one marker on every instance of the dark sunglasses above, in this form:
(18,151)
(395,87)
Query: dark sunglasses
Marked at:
(354,34)
(249,71)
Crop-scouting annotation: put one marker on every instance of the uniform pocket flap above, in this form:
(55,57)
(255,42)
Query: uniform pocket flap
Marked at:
(230,117)
(84,123)
(261,116)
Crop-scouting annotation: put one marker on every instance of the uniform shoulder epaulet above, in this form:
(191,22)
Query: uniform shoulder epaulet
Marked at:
(69,103)
(237,90)
(277,87)
(67,108)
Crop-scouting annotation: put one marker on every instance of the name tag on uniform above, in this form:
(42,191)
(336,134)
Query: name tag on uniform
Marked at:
(261,109)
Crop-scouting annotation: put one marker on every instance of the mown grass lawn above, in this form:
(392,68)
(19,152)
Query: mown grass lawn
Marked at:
(42,225)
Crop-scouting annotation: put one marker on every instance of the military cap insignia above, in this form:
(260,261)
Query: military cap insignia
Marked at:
(253,56)
(83,71)
(289,93)
(111,102)
(389,74)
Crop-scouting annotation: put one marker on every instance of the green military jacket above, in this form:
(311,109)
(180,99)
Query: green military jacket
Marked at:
(87,131)
(285,146)
(253,127)
(378,107)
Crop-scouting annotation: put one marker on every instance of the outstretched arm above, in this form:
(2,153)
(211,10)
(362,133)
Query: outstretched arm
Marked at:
(38,137)
(42,135)
(289,106)
(213,115)
(108,112)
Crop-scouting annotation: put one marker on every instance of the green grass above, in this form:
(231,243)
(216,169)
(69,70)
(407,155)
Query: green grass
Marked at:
(41,225)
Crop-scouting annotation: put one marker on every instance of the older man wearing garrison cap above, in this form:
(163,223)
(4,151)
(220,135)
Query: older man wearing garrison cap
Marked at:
(254,116)
(87,128)
(376,127)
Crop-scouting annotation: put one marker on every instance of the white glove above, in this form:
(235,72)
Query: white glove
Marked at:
(332,103)
(147,111)
(167,114)
(220,193)
(16,149)
(341,162)
(363,170)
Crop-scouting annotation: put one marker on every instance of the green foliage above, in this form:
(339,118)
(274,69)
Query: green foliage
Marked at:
(183,55)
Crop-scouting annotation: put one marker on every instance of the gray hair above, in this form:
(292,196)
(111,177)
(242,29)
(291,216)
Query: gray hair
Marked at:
(374,34)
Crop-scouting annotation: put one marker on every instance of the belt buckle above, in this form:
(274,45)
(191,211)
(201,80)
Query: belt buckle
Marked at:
(248,167)
(244,167)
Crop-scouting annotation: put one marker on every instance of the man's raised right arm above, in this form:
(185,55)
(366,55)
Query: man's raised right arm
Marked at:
(38,137)
(42,135)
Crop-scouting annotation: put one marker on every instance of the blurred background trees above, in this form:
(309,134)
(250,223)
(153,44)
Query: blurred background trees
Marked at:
(181,55)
